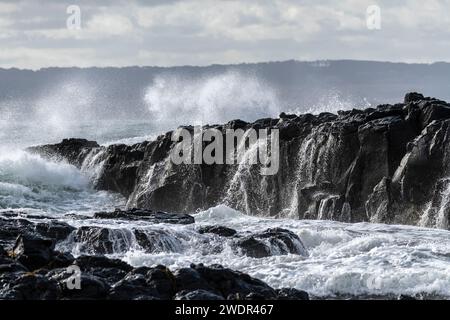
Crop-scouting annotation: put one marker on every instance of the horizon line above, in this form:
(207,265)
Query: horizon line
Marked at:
(224,64)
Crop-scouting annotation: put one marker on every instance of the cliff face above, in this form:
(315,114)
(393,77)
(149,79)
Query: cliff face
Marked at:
(386,164)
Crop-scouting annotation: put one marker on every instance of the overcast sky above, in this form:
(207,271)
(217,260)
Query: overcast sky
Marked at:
(34,34)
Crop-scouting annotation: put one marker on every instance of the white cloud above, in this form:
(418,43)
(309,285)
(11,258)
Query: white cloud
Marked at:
(202,32)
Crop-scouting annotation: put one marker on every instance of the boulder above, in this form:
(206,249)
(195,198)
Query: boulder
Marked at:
(218,230)
(33,252)
(275,241)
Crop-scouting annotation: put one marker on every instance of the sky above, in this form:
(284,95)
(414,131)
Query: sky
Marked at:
(35,34)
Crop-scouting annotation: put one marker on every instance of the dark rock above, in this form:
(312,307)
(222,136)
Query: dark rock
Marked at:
(274,241)
(291,294)
(330,163)
(88,262)
(71,150)
(253,248)
(157,283)
(33,252)
(147,215)
(229,282)
(109,270)
(157,241)
(98,240)
(27,286)
(189,279)
(413,96)
(91,287)
(197,295)
(219,230)
(54,229)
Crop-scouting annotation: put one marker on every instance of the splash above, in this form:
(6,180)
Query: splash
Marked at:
(175,100)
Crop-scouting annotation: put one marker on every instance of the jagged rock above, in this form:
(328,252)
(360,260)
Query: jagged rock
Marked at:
(343,157)
(147,215)
(219,230)
(274,241)
(413,96)
(71,150)
(52,229)
(11,227)
(379,204)
(33,252)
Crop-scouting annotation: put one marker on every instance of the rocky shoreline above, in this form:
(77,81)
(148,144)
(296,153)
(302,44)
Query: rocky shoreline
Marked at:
(32,269)
(387,164)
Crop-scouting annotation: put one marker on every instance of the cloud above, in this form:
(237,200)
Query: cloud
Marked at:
(201,32)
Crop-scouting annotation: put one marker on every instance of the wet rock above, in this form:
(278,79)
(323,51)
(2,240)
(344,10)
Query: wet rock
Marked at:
(11,226)
(98,240)
(343,156)
(276,241)
(291,294)
(53,229)
(219,230)
(147,215)
(33,252)
(197,295)
(109,270)
(91,287)
(143,284)
(229,282)
(189,279)
(71,150)
(28,286)
(157,241)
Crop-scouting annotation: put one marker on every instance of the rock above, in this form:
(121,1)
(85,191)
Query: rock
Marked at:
(98,240)
(54,229)
(252,247)
(219,230)
(291,294)
(413,96)
(229,282)
(27,286)
(11,226)
(33,252)
(274,241)
(331,163)
(91,287)
(140,284)
(71,150)
(157,241)
(197,295)
(189,279)
(147,215)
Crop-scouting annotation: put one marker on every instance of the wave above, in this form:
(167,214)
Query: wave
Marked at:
(29,181)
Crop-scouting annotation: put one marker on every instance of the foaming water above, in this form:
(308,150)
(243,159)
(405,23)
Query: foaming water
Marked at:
(28,181)
(173,100)
(343,260)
